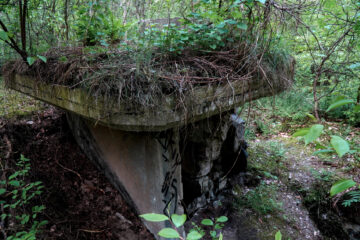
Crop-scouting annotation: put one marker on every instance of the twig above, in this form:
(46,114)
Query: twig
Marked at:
(91,231)
(8,143)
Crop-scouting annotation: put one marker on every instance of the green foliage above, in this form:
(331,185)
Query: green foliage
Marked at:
(268,158)
(262,199)
(194,235)
(344,185)
(341,186)
(337,144)
(208,30)
(343,107)
(96,24)
(340,103)
(15,104)
(154,217)
(178,221)
(169,233)
(322,175)
(350,198)
(17,198)
(278,235)
(292,105)
(31,60)
(314,132)
(340,145)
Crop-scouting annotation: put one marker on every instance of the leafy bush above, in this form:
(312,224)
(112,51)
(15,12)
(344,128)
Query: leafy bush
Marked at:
(17,201)
(97,24)
(177,221)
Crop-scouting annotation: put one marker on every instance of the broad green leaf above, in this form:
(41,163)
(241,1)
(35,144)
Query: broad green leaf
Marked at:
(341,186)
(243,26)
(168,233)
(339,104)
(193,235)
(154,217)
(30,60)
(213,46)
(323,151)
(207,222)
(312,117)
(178,220)
(314,132)
(340,145)
(278,235)
(4,36)
(261,1)
(42,58)
(222,219)
(2,191)
(301,132)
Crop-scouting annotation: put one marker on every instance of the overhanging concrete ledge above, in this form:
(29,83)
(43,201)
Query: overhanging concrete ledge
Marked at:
(199,103)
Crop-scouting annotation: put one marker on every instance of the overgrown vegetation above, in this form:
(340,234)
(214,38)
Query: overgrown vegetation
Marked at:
(139,50)
(262,199)
(17,205)
(14,104)
(197,232)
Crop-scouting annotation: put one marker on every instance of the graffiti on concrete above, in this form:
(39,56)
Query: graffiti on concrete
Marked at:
(171,156)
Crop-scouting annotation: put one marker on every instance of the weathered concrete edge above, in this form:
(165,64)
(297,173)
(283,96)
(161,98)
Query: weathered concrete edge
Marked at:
(201,103)
(85,140)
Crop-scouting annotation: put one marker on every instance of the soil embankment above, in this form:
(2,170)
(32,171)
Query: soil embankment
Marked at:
(80,202)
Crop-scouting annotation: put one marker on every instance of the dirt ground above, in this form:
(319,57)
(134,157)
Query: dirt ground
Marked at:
(80,202)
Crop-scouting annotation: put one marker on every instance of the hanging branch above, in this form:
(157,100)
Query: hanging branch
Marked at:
(12,43)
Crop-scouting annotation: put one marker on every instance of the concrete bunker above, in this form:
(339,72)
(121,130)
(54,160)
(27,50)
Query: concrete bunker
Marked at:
(176,151)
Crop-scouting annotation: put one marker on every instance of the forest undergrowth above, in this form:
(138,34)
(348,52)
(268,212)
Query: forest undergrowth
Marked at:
(289,186)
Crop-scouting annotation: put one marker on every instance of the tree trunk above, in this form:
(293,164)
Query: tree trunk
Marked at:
(316,100)
(66,16)
(22,17)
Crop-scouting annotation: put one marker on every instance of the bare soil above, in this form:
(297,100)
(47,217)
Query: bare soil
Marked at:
(80,202)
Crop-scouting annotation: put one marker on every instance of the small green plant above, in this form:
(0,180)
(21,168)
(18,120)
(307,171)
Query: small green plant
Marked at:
(323,175)
(278,150)
(310,135)
(278,235)
(262,199)
(344,185)
(16,195)
(337,144)
(177,221)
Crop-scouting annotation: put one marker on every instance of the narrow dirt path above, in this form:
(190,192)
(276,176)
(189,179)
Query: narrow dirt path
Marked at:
(302,183)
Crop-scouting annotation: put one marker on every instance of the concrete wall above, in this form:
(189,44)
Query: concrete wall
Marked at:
(145,167)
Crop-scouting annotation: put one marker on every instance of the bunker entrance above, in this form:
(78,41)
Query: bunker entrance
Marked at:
(212,150)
